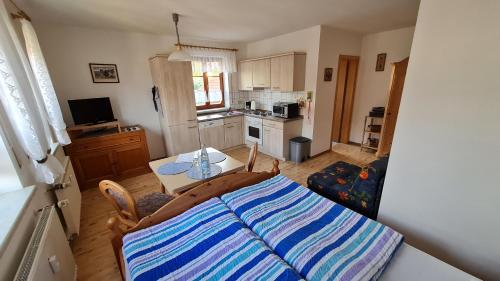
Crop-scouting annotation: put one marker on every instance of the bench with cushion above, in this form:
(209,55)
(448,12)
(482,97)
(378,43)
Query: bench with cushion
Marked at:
(341,182)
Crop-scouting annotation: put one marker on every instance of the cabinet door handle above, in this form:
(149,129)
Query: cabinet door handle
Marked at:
(191,119)
(192,127)
(229,126)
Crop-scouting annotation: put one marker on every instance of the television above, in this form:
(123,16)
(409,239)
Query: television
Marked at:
(91,111)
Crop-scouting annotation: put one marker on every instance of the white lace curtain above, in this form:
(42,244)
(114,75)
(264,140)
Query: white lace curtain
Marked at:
(17,96)
(44,83)
(213,58)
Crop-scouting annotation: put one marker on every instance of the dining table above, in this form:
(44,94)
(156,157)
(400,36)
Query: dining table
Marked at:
(178,183)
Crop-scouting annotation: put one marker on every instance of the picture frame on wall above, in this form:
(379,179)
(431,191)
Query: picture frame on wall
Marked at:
(328,74)
(380,66)
(104,73)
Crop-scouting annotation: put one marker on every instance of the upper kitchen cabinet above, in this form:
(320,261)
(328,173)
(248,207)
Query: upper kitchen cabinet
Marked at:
(246,75)
(261,73)
(283,72)
(288,72)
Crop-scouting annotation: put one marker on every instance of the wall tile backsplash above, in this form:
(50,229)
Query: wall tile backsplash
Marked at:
(264,98)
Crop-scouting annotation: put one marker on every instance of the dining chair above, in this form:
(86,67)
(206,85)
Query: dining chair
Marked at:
(129,210)
(252,156)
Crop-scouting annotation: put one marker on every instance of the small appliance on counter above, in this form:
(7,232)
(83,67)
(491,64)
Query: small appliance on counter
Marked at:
(250,105)
(286,109)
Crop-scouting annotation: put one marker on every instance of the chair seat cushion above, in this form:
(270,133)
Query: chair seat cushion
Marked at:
(151,202)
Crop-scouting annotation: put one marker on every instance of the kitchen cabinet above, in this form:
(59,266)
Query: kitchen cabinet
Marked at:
(182,138)
(176,104)
(233,132)
(212,134)
(288,72)
(246,75)
(276,136)
(283,72)
(261,73)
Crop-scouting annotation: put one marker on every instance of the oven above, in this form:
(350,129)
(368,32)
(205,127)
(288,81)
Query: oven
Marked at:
(253,129)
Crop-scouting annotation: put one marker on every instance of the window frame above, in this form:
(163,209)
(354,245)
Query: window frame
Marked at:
(207,104)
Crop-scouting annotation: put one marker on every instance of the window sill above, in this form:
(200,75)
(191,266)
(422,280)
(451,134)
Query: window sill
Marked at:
(12,207)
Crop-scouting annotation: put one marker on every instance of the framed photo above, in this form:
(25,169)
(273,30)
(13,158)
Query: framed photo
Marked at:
(328,74)
(380,66)
(104,73)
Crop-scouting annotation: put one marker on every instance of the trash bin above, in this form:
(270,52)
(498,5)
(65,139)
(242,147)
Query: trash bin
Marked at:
(300,148)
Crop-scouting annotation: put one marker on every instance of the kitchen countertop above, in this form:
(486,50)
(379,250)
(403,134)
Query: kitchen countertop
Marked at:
(216,116)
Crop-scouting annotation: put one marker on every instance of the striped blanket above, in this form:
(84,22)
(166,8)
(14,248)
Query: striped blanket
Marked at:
(320,239)
(206,242)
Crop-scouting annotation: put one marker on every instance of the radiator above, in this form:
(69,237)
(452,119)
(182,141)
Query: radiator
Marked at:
(48,255)
(69,199)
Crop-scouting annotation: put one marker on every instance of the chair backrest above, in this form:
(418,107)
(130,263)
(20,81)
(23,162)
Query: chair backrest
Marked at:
(252,156)
(121,200)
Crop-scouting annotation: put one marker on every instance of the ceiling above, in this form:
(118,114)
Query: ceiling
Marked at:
(225,20)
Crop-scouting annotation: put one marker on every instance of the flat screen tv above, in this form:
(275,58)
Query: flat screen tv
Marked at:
(91,111)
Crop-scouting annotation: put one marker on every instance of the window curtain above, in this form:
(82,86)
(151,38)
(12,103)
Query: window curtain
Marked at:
(209,56)
(44,83)
(18,101)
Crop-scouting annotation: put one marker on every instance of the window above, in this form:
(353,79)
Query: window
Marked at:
(208,86)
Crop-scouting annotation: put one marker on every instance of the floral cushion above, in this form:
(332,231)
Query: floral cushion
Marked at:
(342,183)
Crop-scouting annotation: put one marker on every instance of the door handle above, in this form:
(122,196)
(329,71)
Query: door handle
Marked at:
(192,127)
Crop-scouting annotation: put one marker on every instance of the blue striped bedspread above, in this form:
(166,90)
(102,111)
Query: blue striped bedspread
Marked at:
(207,242)
(322,240)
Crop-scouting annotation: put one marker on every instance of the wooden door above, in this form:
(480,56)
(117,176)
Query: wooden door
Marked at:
(182,138)
(261,73)
(276,73)
(130,160)
(175,86)
(232,135)
(246,75)
(212,136)
(277,142)
(282,73)
(392,108)
(344,97)
(94,166)
(267,140)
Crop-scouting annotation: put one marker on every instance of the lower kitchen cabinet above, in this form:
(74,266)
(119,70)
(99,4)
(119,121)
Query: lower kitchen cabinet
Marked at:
(276,136)
(212,134)
(233,135)
(182,138)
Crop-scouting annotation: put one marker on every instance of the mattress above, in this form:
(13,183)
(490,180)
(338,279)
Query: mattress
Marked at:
(207,242)
(320,239)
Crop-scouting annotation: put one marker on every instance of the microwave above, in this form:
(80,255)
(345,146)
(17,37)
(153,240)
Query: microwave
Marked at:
(286,109)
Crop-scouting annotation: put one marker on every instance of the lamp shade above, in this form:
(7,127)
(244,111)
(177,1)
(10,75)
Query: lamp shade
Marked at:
(179,55)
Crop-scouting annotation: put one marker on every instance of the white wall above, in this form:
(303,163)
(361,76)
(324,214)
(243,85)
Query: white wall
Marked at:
(306,40)
(372,88)
(69,50)
(333,43)
(442,188)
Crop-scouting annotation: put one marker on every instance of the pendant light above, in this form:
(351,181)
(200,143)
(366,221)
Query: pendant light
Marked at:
(179,54)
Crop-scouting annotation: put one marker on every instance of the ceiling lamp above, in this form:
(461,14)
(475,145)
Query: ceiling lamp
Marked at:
(179,54)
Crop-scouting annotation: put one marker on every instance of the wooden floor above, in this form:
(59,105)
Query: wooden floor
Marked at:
(92,249)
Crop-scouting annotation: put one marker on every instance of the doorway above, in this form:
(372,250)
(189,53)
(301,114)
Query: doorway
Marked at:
(344,98)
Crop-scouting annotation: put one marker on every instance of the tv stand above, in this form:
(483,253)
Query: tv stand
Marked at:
(77,130)
(108,154)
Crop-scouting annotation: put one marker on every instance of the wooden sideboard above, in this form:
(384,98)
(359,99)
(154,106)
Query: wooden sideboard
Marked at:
(108,155)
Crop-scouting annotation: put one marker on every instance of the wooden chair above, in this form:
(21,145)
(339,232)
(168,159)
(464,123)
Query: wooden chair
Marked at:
(252,156)
(130,211)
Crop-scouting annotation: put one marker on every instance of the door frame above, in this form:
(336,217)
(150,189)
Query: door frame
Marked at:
(341,124)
